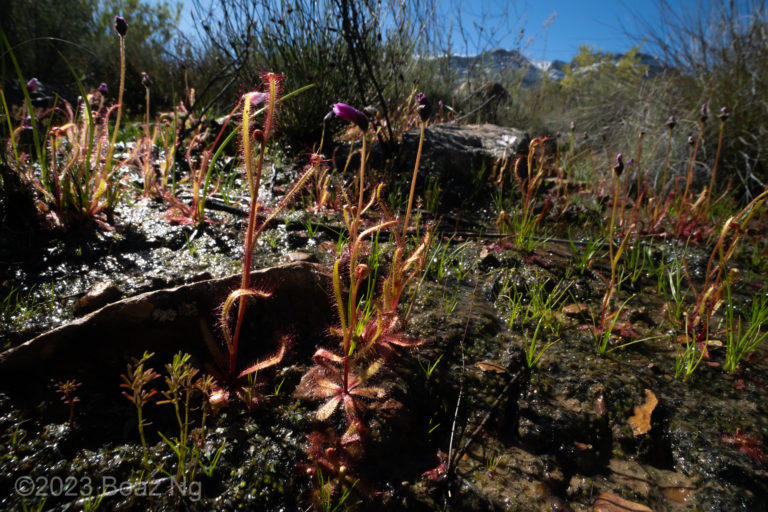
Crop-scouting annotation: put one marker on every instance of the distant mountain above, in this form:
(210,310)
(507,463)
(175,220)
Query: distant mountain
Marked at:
(504,62)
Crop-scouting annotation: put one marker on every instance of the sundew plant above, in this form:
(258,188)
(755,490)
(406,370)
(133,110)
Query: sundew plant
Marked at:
(453,286)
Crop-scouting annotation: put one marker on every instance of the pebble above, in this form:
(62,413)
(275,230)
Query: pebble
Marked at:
(97,297)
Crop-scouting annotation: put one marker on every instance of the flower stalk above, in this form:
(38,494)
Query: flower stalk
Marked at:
(253,174)
(122,28)
(724,114)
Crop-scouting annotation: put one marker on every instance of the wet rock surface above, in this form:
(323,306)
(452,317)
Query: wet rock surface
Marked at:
(465,424)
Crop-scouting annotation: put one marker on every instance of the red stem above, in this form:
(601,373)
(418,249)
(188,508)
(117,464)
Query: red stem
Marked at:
(245,281)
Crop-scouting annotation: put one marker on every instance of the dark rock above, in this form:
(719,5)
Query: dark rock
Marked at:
(296,240)
(460,158)
(94,349)
(17,202)
(483,99)
(488,259)
(567,427)
(97,297)
(156,282)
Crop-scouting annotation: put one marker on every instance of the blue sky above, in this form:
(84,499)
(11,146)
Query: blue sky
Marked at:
(552,29)
(573,23)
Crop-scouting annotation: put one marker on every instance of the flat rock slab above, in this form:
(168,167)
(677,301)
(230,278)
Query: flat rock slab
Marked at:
(95,349)
(459,157)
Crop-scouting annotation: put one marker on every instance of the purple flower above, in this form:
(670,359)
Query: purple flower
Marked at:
(724,114)
(145,80)
(102,88)
(344,111)
(33,85)
(440,103)
(619,167)
(257,98)
(27,124)
(423,107)
(704,113)
(121,26)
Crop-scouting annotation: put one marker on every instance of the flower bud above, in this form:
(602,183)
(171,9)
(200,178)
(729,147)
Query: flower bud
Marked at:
(145,80)
(619,167)
(671,122)
(33,85)
(691,141)
(704,115)
(102,88)
(724,114)
(423,107)
(121,26)
(351,114)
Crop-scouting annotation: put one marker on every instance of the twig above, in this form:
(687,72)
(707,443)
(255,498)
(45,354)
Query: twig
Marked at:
(461,380)
(493,406)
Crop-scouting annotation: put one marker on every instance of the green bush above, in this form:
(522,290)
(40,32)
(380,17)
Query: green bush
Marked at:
(82,31)
(361,53)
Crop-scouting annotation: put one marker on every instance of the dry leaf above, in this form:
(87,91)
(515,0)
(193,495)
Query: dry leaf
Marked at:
(608,502)
(641,421)
(582,446)
(490,366)
(677,494)
(575,309)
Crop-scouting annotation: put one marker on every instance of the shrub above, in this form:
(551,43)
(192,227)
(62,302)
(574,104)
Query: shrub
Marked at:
(720,50)
(82,31)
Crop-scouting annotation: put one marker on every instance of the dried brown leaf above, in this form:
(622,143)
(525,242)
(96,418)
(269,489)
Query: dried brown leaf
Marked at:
(641,421)
(491,366)
(576,310)
(609,502)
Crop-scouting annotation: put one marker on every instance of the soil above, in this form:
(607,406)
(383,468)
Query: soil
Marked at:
(465,424)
